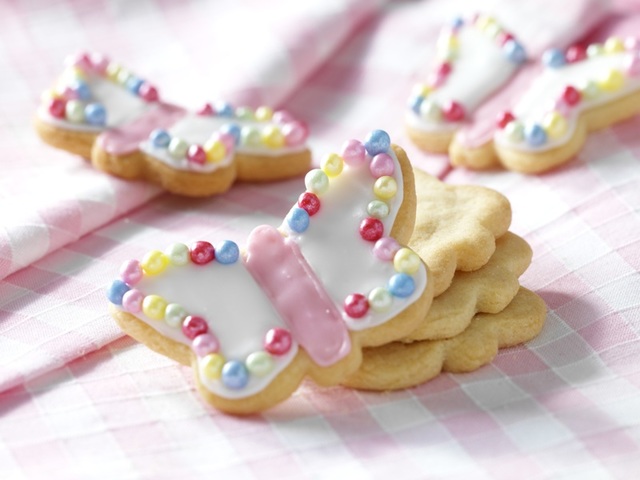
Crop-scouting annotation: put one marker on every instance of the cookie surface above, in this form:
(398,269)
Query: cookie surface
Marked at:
(456,226)
(301,300)
(100,110)
(488,290)
(404,365)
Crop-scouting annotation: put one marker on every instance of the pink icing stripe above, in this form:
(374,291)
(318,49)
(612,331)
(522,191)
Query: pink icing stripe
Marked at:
(126,138)
(278,266)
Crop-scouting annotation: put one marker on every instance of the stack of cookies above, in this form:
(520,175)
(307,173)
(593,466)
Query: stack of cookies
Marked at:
(462,234)
(379,277)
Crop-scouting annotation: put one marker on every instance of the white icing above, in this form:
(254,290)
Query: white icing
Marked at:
(541,96)
(121,105)
(197,129)
(236,309)
(341,259)
(479,68)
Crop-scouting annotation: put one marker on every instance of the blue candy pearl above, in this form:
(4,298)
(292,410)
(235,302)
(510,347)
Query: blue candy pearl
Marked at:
(82,89)
(535,135)
(223,109)
(514,52)
(134,84)
(227,252)
(415,103)
(298,219)
(401,285)
(457,23)
(95,114)
(160,138)
(232,129)
(116,291)
(553,58)
(235,375)
(377,141)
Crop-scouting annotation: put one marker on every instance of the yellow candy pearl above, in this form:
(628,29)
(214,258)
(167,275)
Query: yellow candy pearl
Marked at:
(421,90)
(154,306)
(263,113)
(332,164)
(385,188)
(154,262)
(272,136)
(406,261)
(554,124)
(215,150)
(612,81)
(614,45)
(113,70)
(448,44)
(211,366)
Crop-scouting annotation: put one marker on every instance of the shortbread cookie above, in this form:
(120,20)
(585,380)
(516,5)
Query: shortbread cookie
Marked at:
(579,91)
(487,290)
(100,110)
(299,300)
(456,226)
(403,365)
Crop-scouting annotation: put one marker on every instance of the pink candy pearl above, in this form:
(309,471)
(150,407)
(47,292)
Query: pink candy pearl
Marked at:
(631,43)
(80,60)
(436,79)
(381,165)
(70,94)
(228,141)
(386,248)
(353,152)
(132,301)
(295,133)
(633,65)
(205,110)
(205,344)
(562,108)
(100,62)
(131,272)
(282,116)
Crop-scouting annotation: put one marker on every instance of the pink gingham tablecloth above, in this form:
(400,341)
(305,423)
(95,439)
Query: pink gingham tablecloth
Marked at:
(79,400)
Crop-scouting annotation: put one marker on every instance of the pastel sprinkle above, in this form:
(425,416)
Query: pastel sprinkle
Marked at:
(160,138)
(205,344)
(356,305)
(272,136)
(177,148)
(192,326)
(386,248)
(235,375)
(553,58)
(430,110)
(259,363)
(227,252)
(131,272)
(514,131)
(263,113)
(153,306)
(95,114)
(298,219)
(381,165)
(132,301)
(232,129)
(612,81)
(406,261)
(202,252)
(174,315)
(554,124)
(401,285)
(371,229)
(353,152)
(215,150)
(535,135)
(378,209)
(316,181)
(278,341)
(380,299)
(332,164)
(211,366)
(250,136)
(377,141)
(385,188)
(74,111)
(178,254)
(116,291)
(154,262)
(310,202)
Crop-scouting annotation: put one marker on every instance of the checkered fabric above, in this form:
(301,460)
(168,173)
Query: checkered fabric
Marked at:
(79,400)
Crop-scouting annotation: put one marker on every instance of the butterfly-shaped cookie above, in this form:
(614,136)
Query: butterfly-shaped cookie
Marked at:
(302,299)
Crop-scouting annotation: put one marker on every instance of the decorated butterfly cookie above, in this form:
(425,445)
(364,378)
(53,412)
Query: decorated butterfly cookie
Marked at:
(580,90)
(101,110)
(299,300)
(475,57)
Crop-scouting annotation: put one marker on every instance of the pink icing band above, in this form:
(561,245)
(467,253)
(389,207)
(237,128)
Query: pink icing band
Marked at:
(126,138)
(279,268)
